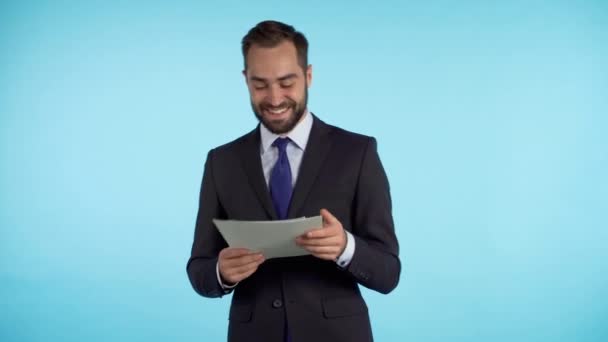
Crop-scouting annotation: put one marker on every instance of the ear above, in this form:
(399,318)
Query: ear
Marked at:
(245,75)
(309,75)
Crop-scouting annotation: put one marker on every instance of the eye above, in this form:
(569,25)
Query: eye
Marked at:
(259,86)
(286,84)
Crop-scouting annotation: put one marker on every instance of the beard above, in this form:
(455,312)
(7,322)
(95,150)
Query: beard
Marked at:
(281,126)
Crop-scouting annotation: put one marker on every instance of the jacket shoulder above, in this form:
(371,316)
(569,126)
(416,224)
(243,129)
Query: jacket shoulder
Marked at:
(347,137)
(235,145)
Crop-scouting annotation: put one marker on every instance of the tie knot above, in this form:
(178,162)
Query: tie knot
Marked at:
(281,143)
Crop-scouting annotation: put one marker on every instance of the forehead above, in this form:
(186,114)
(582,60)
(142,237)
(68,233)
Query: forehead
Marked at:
(273,62)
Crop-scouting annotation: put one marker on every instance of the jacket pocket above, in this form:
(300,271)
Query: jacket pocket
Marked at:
(343,306)
(240,312)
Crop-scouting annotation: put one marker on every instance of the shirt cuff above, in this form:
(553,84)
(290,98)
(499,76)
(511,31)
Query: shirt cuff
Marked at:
(226,288)
(344,259)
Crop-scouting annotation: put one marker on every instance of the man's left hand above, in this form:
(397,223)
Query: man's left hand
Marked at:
(326,243)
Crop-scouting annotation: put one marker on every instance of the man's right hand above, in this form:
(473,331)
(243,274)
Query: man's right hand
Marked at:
(236,264)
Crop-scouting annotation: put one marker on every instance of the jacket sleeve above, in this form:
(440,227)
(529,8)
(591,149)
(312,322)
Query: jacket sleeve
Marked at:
(208,242)
(375,263)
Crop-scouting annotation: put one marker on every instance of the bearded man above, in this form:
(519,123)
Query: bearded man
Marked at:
(293,165)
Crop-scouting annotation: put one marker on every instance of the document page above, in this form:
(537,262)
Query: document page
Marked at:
(275,239)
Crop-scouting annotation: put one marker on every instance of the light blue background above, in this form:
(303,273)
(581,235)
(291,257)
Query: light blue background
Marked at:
(492,122)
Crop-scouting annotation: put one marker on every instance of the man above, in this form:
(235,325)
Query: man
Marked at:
(293,165)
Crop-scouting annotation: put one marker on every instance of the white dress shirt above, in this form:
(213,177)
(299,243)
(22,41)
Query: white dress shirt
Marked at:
(295,150)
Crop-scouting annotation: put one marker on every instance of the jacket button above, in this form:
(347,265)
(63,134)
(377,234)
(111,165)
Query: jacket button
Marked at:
(277,303)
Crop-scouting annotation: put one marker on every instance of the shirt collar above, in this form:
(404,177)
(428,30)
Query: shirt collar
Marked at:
(298,135)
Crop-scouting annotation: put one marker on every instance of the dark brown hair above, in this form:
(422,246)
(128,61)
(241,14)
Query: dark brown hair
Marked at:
(271,33)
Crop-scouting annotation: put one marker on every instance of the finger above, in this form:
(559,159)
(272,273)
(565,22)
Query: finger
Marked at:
(321,233)
(244,268)
(323,249)
(242,260)
(328,218)
(328,241)
(238,253)
(245,275)
(234,252)
(232,273)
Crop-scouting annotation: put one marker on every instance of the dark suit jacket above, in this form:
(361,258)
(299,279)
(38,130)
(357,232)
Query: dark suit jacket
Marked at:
(340,171)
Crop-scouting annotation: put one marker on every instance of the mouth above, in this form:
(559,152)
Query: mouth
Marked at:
(277,112)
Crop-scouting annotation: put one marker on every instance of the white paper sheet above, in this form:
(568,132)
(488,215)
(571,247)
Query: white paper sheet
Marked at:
(275,239)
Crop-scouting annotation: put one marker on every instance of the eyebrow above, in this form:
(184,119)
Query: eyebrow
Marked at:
(280,79)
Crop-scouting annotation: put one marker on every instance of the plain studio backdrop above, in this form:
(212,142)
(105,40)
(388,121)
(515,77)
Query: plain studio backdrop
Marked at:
(491,119)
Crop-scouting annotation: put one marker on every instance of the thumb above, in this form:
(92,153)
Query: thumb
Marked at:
(328,218)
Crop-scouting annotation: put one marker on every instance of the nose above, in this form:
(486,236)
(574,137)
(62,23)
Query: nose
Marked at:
(275,97)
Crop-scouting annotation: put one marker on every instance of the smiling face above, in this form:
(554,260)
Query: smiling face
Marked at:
(278,86)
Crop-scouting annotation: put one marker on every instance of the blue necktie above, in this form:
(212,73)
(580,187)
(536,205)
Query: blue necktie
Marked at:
(280,190)
(280,180)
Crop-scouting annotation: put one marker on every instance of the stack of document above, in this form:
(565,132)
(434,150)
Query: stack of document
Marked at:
(275,239)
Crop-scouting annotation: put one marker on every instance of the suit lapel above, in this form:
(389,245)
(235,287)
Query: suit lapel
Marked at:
(250,155)
(317,148)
